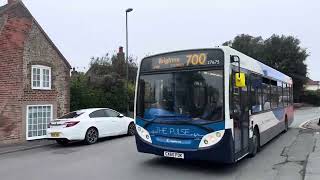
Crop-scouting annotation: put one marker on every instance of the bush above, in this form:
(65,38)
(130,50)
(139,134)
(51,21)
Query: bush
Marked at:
(311,97)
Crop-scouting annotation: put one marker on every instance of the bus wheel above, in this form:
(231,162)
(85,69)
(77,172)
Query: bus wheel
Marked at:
(254,148)
(286,126)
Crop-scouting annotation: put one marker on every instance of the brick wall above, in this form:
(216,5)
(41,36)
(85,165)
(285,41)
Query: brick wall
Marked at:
(12,36)
(22,44)
(2,21)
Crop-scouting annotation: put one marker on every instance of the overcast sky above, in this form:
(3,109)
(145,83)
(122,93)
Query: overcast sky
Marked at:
(85,28)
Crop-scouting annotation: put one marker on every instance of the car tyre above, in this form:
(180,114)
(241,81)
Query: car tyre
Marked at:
(131,129)
(92,136)
(62,142)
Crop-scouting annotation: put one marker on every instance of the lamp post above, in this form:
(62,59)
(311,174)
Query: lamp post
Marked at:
(127,61)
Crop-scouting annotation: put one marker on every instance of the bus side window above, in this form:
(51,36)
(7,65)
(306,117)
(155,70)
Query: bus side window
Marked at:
(274,94)
(281,94)
(291,94)
(266,94)
(256,94)
(286,95)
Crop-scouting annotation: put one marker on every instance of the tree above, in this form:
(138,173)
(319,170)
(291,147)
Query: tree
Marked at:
(83,96)
(249,45)
(283,53)
(103,85)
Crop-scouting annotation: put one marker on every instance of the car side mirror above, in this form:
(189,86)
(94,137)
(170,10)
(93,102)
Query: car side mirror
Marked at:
(120,115)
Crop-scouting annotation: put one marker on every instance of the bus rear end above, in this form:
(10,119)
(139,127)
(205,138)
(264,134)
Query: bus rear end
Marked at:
(180,109)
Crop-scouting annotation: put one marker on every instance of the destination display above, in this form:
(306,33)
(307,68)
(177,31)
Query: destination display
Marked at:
(192,58)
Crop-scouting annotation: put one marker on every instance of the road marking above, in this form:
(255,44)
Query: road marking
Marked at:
(302,124)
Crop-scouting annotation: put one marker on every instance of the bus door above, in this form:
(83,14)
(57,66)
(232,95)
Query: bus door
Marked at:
(240,116)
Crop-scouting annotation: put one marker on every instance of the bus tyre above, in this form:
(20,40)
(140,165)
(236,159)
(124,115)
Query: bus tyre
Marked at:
(254,148)
(91,136)
(286,126)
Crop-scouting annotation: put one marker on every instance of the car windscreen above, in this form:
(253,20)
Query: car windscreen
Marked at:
(71,115)
(197,95)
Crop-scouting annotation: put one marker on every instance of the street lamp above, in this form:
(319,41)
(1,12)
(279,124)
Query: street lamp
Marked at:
(127,60)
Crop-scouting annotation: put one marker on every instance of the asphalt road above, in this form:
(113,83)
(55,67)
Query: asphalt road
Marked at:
(117,158)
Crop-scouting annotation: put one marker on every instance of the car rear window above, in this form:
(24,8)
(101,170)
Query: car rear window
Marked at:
(71,115)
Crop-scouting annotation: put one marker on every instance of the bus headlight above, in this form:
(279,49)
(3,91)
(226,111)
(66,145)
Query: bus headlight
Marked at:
(211,139)
(144,134)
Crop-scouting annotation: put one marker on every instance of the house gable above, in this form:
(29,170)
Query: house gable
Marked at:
(24,43)
(19,10)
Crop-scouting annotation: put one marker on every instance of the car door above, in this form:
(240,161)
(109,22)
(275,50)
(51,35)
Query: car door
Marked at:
(103,122)
(119,122)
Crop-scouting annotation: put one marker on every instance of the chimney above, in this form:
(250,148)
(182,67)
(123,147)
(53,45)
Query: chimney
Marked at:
(12,1)
(121,55)
(120,49)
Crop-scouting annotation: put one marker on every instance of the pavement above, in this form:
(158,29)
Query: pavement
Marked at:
(313,162)
(5,149)
(292,155)
(309,119)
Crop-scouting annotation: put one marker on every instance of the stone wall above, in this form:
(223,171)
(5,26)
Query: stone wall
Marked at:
(39,51)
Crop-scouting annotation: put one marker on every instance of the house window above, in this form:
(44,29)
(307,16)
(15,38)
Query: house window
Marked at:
(41,77)
(38,117)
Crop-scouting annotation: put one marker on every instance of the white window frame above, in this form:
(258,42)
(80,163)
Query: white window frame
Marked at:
(41,77)
(27,121)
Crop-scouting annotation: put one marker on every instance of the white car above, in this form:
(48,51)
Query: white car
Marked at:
(89,125)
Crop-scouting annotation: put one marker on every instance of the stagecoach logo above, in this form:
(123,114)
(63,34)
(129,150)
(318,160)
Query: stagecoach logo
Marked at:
(175,132)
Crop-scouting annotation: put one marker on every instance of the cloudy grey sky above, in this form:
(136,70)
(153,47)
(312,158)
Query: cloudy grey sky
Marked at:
(85,28)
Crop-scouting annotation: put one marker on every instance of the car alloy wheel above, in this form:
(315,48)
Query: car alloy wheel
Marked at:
(91,136)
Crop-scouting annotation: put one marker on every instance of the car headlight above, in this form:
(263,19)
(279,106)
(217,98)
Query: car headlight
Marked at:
(211,139)
(144,134)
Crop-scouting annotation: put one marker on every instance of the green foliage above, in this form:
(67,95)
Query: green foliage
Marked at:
(311,97)
(104,85)
(283,53)
(82,96)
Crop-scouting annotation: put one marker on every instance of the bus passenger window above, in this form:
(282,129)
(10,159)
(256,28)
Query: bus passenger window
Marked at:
(274,96)
(256,94)
(266,97)
(280,94)
(286,95)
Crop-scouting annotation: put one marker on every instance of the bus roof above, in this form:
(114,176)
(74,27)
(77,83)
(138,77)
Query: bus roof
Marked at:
(246,62)
(257,66)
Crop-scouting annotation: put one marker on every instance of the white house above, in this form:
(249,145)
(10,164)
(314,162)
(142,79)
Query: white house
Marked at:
(312,85)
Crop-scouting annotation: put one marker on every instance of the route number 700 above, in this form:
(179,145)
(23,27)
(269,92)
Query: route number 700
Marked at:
(196,59)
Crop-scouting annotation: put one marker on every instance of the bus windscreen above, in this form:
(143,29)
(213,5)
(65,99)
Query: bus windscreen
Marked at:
(195,96)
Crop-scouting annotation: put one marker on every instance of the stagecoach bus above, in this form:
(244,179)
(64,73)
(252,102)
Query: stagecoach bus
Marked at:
(214,104)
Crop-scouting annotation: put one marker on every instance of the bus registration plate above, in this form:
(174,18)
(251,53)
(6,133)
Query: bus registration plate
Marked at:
(174,155)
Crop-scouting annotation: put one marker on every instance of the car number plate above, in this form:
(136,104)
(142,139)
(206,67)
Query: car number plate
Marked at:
(174,155)
(55,134)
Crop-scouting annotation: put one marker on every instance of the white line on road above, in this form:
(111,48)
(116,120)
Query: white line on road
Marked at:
(302,124)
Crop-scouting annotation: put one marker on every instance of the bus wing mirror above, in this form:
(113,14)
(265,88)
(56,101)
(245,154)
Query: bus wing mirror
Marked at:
(234,59)
(240,80)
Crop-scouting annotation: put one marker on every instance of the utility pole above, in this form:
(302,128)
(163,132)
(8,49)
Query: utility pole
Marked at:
(127,61)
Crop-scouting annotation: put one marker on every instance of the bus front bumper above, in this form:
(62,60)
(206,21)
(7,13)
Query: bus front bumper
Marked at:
(222,152)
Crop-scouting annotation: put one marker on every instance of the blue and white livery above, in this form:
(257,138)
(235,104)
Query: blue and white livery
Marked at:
(189,106)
